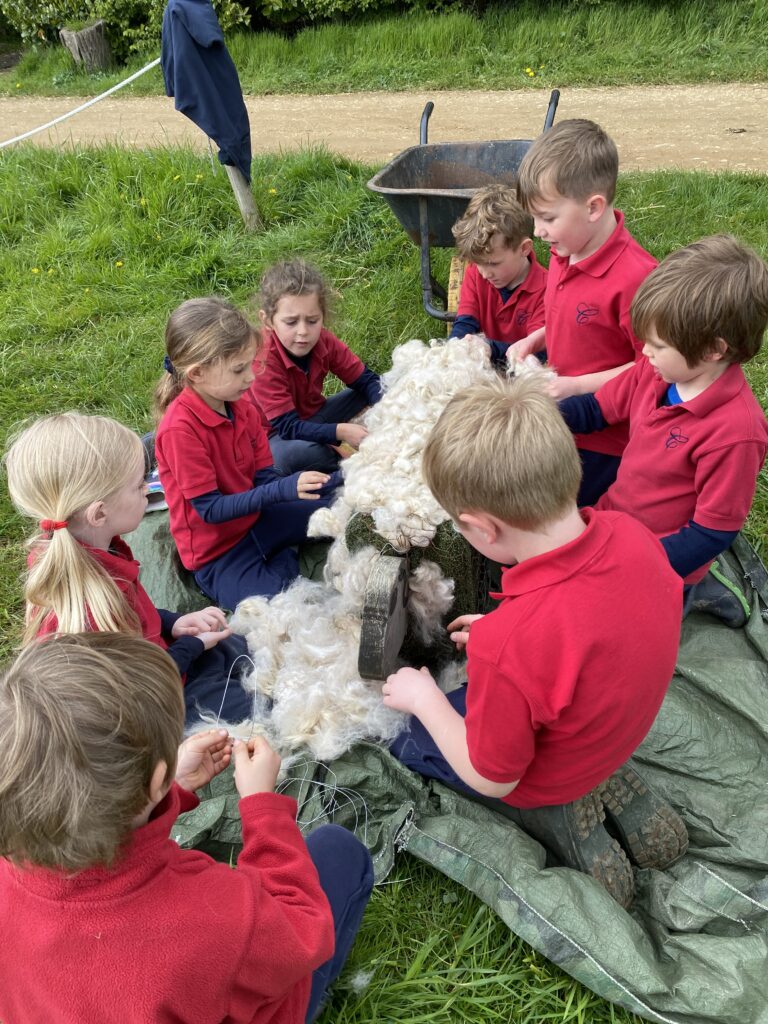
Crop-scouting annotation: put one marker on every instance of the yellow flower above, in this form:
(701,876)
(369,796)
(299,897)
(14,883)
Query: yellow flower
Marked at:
(86,289)
(158,238)
(273,191)
(198,177)
(118,263)
(18,85)
(51,270)
(528,71)
(143,201)
(176,177)
(35,270)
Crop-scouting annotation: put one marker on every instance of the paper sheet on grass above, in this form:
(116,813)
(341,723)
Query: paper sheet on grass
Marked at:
(694,946)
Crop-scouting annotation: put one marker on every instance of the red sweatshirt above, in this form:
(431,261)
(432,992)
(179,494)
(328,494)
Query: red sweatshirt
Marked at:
(169,935)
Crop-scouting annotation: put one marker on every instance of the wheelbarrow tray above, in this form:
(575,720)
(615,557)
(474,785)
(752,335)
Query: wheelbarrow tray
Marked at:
(446,174)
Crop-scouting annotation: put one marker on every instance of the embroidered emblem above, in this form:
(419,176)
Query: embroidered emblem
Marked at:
(522,317)
(585,313)
(676,438)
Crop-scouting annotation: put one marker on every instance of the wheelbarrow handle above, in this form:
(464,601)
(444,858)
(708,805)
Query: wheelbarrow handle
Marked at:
(425,116)
(554,99)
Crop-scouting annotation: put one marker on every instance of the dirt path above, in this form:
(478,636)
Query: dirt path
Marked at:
(716,127)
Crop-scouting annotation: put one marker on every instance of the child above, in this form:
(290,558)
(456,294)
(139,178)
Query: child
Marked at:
(103,917)
(81,478)
(299,353)
(567,180)
(563,683)
(234,520)
(502,294)
(697,434)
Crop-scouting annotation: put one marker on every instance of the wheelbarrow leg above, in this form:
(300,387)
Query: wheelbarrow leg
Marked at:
(385,617)
(428,284)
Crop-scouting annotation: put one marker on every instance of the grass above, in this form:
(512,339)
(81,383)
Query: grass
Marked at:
(532,44)
(97,246)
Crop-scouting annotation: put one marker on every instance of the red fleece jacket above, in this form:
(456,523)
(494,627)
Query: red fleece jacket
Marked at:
(169,935)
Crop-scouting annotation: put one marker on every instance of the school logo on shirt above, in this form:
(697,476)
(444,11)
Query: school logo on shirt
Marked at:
(585,313)
(676,438)
(522,317)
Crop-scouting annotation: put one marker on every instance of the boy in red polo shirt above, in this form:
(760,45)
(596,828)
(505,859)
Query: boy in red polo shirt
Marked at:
(697,435)
(103,916)
(299,353)
(563,684)
(567,180)
(502,294)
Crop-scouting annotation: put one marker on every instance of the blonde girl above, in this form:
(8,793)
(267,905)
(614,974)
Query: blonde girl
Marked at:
(235,521)
(81,479)
(299,353)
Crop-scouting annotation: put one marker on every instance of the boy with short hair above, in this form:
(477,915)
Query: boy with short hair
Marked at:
(563,684)
(102,916)
(697,435)
(567,181)
(502,294)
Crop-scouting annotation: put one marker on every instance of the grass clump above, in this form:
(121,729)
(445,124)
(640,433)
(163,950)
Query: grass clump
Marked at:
(531,44)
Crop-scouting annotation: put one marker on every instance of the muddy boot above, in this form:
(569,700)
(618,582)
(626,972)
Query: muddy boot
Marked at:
(575,835)
(652,833)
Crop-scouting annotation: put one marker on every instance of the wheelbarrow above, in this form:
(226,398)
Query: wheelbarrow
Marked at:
(428,187)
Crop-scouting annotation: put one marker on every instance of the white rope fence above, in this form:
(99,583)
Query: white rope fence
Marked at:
(83,106)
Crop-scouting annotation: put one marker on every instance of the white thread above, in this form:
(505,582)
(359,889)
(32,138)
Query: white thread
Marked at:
(83,106)
(584,952)
(226,687)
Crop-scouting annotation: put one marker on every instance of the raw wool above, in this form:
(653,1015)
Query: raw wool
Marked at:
(530,367)
(305,641)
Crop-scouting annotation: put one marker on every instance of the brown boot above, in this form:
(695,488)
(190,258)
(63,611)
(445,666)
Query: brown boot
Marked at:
(652,833)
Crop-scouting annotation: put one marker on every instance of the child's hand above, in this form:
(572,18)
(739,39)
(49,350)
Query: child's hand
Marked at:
(352,433)
(458,630)
(208,620)
(409,690)
(211,639)
(518,350)
(256,766)
(201,757)
(310,482)
(564,387)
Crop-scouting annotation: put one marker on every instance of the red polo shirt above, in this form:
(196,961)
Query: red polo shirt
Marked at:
(586,310)
(198,451)
(697,460)
(124,570)
(564,683)
(283,386)
(508,321)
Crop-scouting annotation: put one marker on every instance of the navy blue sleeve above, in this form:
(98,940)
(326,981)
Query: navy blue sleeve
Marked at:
(368,384)
(583,414)
(292,428)
(184,651)
(215,507)
(694,546)
(465,325)
(167,620)
(499,351)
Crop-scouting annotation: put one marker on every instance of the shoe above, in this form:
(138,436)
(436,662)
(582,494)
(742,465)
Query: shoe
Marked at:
(716,595)
(155,494)
(574,833)
(653,834)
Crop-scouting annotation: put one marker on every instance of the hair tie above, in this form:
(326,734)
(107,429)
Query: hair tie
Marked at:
(49,525)
(168,365)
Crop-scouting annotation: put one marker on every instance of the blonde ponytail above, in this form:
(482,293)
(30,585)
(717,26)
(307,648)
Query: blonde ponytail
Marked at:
(56,468)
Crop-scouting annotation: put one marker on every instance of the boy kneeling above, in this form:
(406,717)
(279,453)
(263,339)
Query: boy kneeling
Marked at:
(564,677)
(103,917)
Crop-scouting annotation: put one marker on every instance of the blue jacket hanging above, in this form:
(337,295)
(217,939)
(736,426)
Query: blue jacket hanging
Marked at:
(201,75)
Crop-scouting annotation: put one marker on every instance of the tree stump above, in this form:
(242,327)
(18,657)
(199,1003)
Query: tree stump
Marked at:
(90,46)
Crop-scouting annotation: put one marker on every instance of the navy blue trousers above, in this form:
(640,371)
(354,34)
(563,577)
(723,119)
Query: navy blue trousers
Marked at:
(265,561)
(346,876)
(598,473)
(206,684)
(295,456)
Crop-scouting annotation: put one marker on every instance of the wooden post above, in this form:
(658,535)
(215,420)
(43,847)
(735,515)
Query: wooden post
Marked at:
(89,46)
(245,200)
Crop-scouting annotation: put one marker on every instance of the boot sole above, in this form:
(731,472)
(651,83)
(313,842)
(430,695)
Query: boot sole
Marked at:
(651,832)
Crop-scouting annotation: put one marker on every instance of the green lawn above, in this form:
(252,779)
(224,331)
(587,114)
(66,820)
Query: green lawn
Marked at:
(531,44)
(98,245)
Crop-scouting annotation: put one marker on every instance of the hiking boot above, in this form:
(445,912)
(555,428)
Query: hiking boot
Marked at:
(652,833)
(575,835)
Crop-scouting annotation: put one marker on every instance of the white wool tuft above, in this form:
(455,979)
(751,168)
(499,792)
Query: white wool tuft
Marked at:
(530,367)
(305,641)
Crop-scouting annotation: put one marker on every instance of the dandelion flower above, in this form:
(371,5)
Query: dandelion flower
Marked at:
(198,177)
(18,85)
(143,201)
(273,191)
(86,290)
(118,263)
(35,270)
